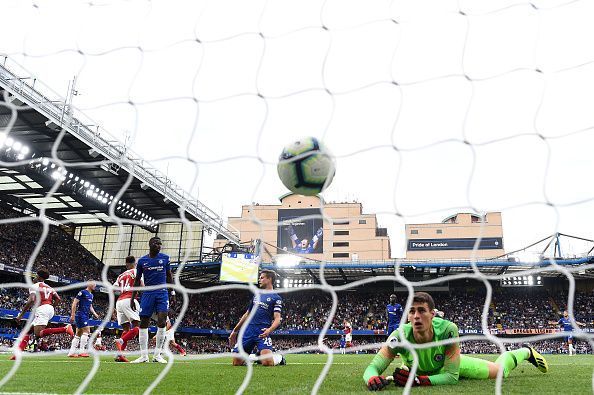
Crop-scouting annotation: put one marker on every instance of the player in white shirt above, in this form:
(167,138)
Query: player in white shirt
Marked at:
(43,314)
(128,318)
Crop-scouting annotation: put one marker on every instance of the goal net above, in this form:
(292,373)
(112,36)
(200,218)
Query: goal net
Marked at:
(429,108)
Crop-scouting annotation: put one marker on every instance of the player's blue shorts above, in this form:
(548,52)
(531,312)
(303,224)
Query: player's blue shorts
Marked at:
(154,302)
(391,329)
(81,320)
(252,340)
(568,338)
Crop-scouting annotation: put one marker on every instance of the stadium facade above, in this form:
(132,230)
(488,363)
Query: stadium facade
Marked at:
(309,227)
(459,236)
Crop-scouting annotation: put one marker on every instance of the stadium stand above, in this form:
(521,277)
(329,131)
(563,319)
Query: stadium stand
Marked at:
(61,254)
(306,312)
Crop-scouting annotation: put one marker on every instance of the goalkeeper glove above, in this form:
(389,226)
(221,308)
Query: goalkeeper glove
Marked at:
(318,234)
(377,383)
(401,377)
(292,234)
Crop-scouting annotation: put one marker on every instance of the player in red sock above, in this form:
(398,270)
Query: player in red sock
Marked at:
(44,312)
(170,337)
(126,315)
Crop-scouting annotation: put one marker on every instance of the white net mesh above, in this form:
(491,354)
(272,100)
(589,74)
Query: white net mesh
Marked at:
(430,108)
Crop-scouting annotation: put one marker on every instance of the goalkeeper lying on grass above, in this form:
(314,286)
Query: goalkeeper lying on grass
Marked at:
(440,364)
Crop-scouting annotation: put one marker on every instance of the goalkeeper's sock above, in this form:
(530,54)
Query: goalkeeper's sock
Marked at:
(84,339)
(143,340)
(160,341)
(376,367)
(509,360)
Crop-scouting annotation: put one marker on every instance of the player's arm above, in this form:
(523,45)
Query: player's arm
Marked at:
(27,306)
(56,299)
(235,331)
(116,287)
(169,279)
(275,324)
(292,236)
(373,374)
(94,312)
(73,308)
(316,238)
(136,285)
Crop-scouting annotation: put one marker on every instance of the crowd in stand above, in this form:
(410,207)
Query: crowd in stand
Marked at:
(533,308)
(60,253)
(309,310)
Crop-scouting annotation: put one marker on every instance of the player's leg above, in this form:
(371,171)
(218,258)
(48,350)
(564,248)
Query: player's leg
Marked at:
(147,306)
(570,349)
(53,331)
(475,368)
(248,346)
(22,345)
(84,340)
(161,335)
(161,307)
(73,353)
(132,333)
(268,357)
(37,329)
(171,339)
(124,322)
(134,330)
(42,330)
(119,342)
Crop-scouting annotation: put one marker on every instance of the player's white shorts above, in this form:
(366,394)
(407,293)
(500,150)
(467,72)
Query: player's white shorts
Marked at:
(43,314)
(125,312)
(348,337)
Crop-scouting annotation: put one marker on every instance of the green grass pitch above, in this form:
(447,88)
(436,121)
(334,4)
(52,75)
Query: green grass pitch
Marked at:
(58,374)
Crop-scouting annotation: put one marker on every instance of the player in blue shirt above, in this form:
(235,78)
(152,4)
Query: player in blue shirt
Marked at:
(565,325)
(155,270)
(342,345)
(394,314)
(265,321)
(82,308)
(305,246)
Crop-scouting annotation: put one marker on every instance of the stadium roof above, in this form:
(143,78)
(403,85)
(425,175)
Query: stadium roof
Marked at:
(346,272)
(95,168)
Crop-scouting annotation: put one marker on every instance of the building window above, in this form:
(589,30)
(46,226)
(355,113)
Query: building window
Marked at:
(362,221)
(439,231)
(340,244)
(341,222)
(414,231)
(474,219)
(340,255)
(341,233)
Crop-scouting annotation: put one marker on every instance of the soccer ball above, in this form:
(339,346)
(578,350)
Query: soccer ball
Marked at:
(306,166)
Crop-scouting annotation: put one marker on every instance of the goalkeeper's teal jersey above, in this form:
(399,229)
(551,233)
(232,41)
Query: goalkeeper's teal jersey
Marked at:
(432,359)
